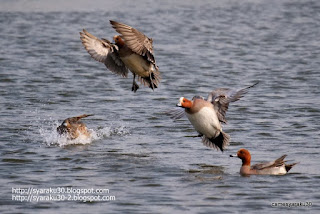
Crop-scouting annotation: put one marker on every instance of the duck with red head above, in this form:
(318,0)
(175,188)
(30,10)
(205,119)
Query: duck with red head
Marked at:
(132,51)
(118,41)
(206,116)
(204,119)
(276,167)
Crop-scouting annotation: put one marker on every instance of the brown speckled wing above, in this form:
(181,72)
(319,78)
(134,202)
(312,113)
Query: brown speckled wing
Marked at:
(104,51)
(135,40)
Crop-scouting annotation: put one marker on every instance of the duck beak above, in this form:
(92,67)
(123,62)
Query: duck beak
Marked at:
(179,105)
(234,156)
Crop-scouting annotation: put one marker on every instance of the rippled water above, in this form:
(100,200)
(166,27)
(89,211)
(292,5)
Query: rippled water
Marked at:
(145,159)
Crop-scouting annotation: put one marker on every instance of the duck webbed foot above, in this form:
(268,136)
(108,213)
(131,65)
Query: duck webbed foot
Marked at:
(135,86)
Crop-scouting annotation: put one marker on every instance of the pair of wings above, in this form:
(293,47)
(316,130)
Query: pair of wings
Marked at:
(220,99)
(106,52)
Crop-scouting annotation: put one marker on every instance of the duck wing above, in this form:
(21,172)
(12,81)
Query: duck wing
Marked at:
(102,50)
(77,118)
(277,163)
(221,97)
(136,41)
(176,113)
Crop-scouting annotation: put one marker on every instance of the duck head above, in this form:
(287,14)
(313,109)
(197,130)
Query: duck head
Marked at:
(244,155)
(64,128)
(118,41)
(184,103)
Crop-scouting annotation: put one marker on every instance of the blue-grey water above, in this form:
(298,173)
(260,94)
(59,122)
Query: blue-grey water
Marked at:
(145,159)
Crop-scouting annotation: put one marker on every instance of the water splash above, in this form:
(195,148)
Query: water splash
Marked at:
(51,136)
(105,132)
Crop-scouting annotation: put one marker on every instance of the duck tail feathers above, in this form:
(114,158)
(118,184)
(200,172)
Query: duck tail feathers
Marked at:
(220,143)
(289,166)
(152,81)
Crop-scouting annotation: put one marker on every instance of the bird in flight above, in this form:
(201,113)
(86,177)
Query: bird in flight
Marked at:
(131,50)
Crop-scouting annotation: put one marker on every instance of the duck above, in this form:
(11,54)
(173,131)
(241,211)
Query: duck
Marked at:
(276,167)
(207,115)
(73,128)
(131,50)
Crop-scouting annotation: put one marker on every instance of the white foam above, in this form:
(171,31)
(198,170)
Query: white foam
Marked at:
(51,136)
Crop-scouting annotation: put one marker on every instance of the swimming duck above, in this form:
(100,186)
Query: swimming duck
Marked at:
(276,167)
(206,116)
(131,50)
(73,128)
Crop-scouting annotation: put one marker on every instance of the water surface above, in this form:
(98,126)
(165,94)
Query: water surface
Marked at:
(143,157)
